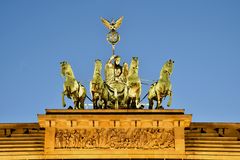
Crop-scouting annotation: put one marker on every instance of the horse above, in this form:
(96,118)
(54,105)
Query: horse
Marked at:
(134,85)
(72,88)
(162,88)
(98,87)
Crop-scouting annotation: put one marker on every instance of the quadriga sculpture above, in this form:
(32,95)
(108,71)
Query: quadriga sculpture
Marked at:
(105,94)
(98,87)
(162,88)
(72,88)
(134,85)
(122,86)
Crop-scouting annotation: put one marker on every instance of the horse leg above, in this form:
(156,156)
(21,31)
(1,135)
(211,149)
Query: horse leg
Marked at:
(105,96)
(116,104)
(100,103)
(158,100)
(75,102)
(116,98)
(125,98)
(150,101)
(129,103)
(133,103)
(137,101)
(170,99)
(94,103)
(159,104)
(63,100)
(81,102)
(104,104)
(95,99)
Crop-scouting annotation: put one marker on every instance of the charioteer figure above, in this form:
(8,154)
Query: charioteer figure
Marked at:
(114,72)
(116,79)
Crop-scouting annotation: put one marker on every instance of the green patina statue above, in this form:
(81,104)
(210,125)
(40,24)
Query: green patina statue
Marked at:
(162,87)
(98,88)
(72,88)
(134,85)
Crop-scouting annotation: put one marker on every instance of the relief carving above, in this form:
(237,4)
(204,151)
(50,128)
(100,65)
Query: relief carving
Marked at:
(115,138)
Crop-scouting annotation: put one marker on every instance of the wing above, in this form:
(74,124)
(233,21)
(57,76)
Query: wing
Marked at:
(118,23)
(106,23)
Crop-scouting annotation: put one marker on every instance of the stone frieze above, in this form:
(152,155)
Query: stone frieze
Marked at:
(115,138)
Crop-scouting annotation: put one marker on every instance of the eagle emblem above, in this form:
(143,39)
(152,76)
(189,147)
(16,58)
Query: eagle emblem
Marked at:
(113,25)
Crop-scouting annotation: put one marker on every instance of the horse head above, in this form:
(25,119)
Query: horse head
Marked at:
(66,69)
(167,68)
(98,66)
(134,63)
(134,66)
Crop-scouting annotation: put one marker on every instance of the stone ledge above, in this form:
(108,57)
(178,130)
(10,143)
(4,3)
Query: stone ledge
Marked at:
(112,111)
(18,125)
(215,125)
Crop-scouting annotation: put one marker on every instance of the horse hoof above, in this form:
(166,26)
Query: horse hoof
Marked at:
(161,108)
(70,107)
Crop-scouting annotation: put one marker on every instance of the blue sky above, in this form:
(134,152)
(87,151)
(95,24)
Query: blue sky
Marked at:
(202,37)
